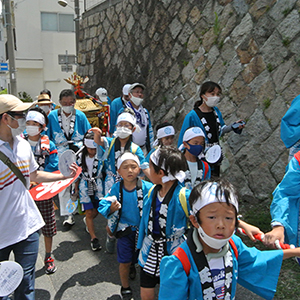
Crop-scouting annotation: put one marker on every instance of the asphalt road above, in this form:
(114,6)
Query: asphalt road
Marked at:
(84,274)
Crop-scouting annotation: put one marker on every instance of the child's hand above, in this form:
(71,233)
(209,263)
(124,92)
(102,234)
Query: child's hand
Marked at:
(97,135)
(277,233)
(116,205)
(250,230)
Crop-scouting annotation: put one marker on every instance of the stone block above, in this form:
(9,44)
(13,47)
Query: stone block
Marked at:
(230,20)
(174,72)
(122,19)
(208,39)
(247,50)
(261,181)
(89,45)
(253,69)
(193,43)
(241,31)
(226,107)
(228,52)
(200,75)
(188,72)
(233,68)
(277,11)
(93,31)
(259,8)
(292,91)
(239,90)
(106,25)
(278,169)
(217,70)
(183,12)
(130,23)
(247,107)
(290,26)
(101,37)
(240,6)
(213,54)
(194,16)
(175,28)
(272,147)
(285,75)
(185,34)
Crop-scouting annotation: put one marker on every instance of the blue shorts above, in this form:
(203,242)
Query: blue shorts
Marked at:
(93,204)
(126,252)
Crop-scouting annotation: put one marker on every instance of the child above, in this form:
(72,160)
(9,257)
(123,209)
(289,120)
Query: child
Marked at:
(198,169)
(123,207)
(165,134)
(114,147)
(164,220)
(213,260)
(90,185)
(45,154)
(209,118)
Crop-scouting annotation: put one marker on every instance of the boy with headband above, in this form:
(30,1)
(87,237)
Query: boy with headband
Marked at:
(123,208)
(213,260)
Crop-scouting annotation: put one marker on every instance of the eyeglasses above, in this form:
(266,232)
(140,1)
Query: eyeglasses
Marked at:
(19,115)
(126,126)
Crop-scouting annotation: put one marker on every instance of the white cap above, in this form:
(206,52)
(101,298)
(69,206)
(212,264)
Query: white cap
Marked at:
(135,85)
(102,94)
(125,89)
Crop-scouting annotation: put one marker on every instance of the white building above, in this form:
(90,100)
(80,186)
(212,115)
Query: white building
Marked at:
(43,31)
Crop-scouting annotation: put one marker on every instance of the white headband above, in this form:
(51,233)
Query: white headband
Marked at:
(36,116)
(180,176)
(127,117)
(127,156)
(90,143)
(208,196)
(191,133)
(165,131)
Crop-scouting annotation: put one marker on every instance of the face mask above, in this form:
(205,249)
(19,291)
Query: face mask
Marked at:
(212,101)
(32,130)
(212,242)
(123,132)
(21,127)
(45,108)
(195,149)
(136,101)
(68,109)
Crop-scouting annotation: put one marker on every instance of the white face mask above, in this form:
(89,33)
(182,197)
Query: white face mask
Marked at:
(33,130)
(212,242)
(68,109)
(123,132)
(45,108)
(136,100)
(21,127)
(212,101)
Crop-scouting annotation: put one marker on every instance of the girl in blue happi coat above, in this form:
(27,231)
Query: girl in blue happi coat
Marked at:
(164,218)
(208,117)
(210,263)
(90,185)
(123,208)
(114,147)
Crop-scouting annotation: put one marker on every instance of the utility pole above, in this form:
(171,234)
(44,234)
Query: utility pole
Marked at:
(10,48)
(77,17)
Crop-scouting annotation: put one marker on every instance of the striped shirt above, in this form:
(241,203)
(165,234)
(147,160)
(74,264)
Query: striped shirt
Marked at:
(19,216)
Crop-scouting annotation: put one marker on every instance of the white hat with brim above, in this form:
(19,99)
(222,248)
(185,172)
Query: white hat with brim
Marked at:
(135,85)
(12,103)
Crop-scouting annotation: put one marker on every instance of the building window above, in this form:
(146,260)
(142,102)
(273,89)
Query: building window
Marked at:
(57,22)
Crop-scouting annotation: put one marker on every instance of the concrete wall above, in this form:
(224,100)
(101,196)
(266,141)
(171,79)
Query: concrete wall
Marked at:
(250,47)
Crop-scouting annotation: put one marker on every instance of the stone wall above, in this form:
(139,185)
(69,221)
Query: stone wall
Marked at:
(251,48)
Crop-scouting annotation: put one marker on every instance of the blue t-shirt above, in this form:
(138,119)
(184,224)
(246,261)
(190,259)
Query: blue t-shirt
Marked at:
(132,216)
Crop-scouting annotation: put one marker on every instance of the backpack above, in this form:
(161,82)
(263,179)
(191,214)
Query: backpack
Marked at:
(182,256)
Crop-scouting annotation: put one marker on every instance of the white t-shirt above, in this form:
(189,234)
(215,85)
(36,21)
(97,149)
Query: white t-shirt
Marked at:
(217,270)
(193,167)
(139,138)
(89,163)
(66,121)
(19,215)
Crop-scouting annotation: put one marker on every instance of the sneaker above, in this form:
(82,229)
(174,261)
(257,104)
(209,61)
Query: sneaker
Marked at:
(86,228)
(126,294)
(132,272)
(50,267)
(69,221)
(95,245)
(110,244)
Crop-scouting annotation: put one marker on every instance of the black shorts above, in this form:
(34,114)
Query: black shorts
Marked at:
(147,280)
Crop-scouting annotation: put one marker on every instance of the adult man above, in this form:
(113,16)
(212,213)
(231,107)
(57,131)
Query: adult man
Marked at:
(143,137)
(66,129)
(20,219)
(116,105)
(101,93)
